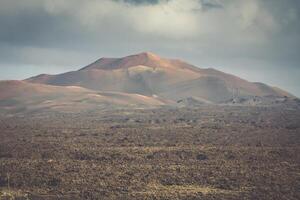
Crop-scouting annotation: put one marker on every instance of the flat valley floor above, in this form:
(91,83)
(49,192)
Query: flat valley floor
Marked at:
(208,152)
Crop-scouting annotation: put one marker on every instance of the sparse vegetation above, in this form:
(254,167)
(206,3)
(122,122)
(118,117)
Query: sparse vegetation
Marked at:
(209,152)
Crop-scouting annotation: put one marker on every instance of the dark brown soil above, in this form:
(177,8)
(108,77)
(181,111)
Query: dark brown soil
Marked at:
(212,152)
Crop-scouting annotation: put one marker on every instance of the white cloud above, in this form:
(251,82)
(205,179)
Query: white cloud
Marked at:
(176,18)
(253,16)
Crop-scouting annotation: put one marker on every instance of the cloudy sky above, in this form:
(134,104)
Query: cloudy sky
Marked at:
(258,40)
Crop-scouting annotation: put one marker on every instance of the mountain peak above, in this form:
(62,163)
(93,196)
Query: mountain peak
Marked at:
(144,58)
(147,54)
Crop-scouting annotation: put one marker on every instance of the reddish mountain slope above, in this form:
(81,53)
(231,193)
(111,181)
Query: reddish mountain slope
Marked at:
(149,74)
(16,95)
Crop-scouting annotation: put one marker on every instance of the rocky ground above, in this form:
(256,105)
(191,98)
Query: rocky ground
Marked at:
(208,152)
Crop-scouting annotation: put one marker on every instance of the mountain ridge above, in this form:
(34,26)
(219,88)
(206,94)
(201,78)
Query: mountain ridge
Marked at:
(149,74)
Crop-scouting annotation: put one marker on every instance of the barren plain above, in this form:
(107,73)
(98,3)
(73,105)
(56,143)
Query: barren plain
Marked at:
(204,152)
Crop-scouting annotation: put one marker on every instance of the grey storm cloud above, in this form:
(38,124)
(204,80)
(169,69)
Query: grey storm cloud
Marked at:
(209,4)
(256,39)
(138,2)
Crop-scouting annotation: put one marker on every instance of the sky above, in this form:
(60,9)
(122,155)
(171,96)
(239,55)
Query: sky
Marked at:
(258,40)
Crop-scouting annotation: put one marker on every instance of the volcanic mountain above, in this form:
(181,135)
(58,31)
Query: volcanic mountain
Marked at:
(149,74)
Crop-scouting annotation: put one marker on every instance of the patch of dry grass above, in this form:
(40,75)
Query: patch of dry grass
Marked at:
(10,194)
(158,189)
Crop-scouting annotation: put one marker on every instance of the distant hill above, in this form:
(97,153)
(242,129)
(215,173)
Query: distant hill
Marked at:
(20,96)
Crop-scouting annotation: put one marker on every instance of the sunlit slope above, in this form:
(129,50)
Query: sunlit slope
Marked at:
(23,95)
